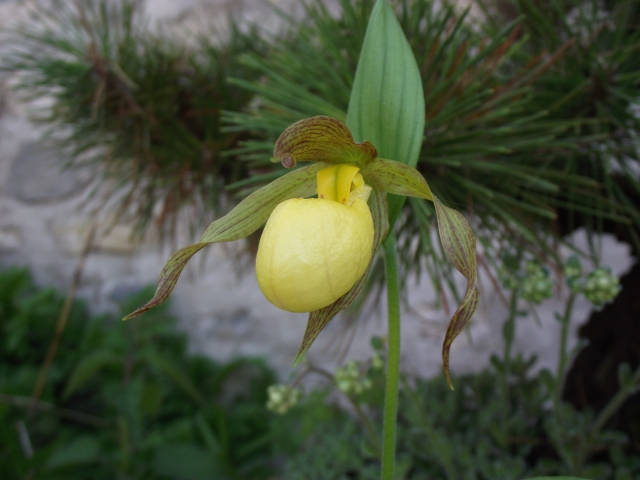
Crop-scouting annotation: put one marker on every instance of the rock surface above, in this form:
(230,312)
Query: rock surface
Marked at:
(38,175)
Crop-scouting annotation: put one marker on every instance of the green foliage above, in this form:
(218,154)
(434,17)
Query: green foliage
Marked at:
(594,77)
(458,434)
(124,399)
(333,452)
(139,110)
(506,422)
(28,317)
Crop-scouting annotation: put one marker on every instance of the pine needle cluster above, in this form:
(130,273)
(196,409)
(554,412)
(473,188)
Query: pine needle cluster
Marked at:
(142,111)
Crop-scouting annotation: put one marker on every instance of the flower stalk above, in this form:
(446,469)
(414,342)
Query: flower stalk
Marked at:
(393,359)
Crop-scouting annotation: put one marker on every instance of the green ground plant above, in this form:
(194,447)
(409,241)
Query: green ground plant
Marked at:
(506,422)
(124,400)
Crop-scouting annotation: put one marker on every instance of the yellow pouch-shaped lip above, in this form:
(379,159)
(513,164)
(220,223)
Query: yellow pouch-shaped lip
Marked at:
(312,251)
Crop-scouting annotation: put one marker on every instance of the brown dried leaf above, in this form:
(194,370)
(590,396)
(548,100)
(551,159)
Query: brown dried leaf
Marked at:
(459,243)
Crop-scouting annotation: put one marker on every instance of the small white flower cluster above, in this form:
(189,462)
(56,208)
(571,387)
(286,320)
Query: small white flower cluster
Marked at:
(601,286)
(282,398)
(350,379)
(537,284)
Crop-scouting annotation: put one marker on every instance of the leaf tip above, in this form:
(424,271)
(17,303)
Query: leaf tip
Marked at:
(449,382)
(299,357)
(445,363)
(147,306)
(135,313)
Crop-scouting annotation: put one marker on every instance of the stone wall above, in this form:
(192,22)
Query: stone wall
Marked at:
(43,227)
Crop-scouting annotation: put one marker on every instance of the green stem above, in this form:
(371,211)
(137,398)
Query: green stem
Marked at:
(393,360)
(562,356)
(557,394)
(508,332)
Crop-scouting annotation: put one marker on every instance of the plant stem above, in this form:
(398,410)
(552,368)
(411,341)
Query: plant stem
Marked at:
(393,360)
(572,461)
(562,356)
(508,332)
(39,405)
(41,380)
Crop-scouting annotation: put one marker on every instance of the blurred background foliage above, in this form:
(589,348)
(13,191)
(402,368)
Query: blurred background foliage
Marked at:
(124,400)
(127,400)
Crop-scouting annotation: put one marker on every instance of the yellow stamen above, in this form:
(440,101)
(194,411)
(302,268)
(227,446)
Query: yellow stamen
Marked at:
(342,183)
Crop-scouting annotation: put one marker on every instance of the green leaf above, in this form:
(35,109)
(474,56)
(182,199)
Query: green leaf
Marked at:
(187,461)
(558,478)
(151,396)
(318,319)
(209,436)
(173,373)
(386,106)
(395,177)
(459,244)
(81,450)
(321,139)
(243,220)
(88,367)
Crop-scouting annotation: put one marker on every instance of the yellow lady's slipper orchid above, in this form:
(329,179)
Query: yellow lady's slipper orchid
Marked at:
(313,250)
(314,253)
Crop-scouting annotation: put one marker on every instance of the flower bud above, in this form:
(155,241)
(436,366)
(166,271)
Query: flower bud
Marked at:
(573,268)
(536,285)
(350,380)
(601,287)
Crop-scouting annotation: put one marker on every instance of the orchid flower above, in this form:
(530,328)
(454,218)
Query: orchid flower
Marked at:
(315,253)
